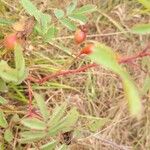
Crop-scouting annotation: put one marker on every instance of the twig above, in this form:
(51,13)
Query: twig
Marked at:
(30,96)
(141,54)
(106,142)
(111,143)
(61,73)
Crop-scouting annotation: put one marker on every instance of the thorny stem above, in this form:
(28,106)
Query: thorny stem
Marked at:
(31,112)
(141,54)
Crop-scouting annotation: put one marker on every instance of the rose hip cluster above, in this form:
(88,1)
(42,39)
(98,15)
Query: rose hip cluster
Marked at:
(79,37)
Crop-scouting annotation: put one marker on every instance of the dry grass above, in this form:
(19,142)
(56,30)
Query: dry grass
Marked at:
(96,92)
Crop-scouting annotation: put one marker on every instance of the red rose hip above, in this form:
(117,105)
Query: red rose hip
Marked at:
(87,49)
(79,36)
(10,41)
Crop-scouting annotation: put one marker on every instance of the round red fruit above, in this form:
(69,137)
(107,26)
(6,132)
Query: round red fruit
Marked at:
(79,36)
(87,49)
(10,41)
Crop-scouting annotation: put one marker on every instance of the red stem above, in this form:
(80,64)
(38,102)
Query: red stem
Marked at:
(128,59)
(141,54)
(66,72)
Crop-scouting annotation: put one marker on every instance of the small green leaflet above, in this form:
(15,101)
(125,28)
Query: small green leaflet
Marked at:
(7,73)
(45,20)
(49,146)
(59,13)
(3,86)
(96,123)
(132,95)
(70,119)
(19,62)
(105,56)
(145,3)
(2,146)
(51,33)
(34,123)
(18,74)
(78,18)
(8,136)
(68,23)
(3,122)
(57,114)
(66,123)
(63,147)
(71,7)
(42,18)
(3,101)
(31,136)
(31,9)
(85,9)
(141,29)
(42,106)
(6,21)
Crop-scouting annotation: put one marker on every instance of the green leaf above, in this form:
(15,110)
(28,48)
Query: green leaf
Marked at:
(70,119)
(20,62)
(49,146)
(2,7)
(145,3)
(31,9)
(31,136)
(3,101)
(34,123)
(96,123)
(79,18)
(7,73)
(8,136)
(42,106)
(3,86)
(71,7)
(63,147)
(57,114)
(2,146)
(85,9)
(66,123)
(3,122)
(37,28)
(146,85)
(141,29)
(68,23)
(4,21)
(103,55)
(132,95)
(23,77)
(51,33)
(45,20)
(59,13)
